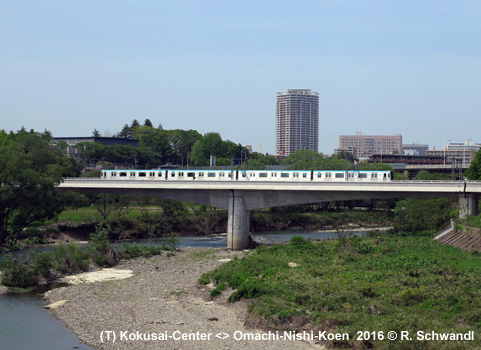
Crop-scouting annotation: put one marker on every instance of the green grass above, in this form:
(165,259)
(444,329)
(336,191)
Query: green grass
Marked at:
(361,284)
(89,214)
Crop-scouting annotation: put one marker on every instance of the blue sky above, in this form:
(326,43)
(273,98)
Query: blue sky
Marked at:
(381,67)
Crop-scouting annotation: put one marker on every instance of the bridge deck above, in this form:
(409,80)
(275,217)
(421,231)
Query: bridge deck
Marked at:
(392,186)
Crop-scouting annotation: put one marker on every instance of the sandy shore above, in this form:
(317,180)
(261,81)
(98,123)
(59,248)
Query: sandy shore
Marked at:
(165,299)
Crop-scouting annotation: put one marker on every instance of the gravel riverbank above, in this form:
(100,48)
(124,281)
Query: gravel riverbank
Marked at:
(162,299)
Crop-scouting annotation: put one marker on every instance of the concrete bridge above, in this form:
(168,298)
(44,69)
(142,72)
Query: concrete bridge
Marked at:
(241,197)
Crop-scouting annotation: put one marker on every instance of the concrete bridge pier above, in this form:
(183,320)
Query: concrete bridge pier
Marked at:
(468,205)
(238,222)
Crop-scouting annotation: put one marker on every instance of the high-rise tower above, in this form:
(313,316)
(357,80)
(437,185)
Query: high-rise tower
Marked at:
(297,121)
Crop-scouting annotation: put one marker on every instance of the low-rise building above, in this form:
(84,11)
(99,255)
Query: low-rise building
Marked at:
(455,152)
(361,145)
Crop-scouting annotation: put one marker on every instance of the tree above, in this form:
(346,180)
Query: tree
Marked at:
(305,159)
(474,170)
(210,143)
(148,123)
(426,175)
(96,133)
(135,124)
(374,166)
(418,215)
(126,132)
(180,143)
(30,169)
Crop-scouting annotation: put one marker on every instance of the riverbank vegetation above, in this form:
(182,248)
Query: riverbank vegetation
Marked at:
(378,283)
(28,270)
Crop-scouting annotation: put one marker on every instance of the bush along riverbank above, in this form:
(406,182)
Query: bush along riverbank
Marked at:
(373,284)
(63,260)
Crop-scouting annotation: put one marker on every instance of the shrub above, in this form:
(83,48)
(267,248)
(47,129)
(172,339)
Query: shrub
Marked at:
(134,250)
(171,242)
(17,273)
(131,250)
(204,279)
(250,288)
(70,258)
(100,250)
(42,263)
(300,242)
(217,291)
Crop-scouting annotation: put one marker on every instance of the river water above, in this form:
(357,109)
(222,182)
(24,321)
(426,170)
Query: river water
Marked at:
(26,325)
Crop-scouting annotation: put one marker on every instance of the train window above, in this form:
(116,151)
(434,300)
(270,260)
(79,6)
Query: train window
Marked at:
(273,174)
(159,174)
(221,174)
(253,174)
(229,174)
(190,174)
(210,174)
(284,174)
(339,175)
(262,174)
(304,175)
(123,173)
(201,174)
(172,174)
(362,175)
(132,174)
(319,175)
(244,174)
(142,174)
(151,174)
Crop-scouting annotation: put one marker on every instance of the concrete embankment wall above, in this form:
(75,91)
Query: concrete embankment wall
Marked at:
(464,237)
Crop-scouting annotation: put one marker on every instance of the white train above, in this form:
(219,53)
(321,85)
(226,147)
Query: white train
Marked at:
(248,175)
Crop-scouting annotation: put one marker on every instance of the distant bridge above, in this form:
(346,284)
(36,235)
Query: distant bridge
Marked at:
(240,197)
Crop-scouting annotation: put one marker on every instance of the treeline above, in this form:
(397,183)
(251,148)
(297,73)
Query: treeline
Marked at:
(157,146)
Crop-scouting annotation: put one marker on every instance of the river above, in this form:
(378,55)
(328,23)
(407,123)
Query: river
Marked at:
(26,325)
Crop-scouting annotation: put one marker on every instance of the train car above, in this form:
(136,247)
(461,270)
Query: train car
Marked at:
(248,175)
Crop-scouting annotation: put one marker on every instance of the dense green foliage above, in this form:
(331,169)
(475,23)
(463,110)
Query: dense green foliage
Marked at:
(30,169)
(381,283)
(422,215)
(212,144)
(141,156)
(474,170)
(426,175)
